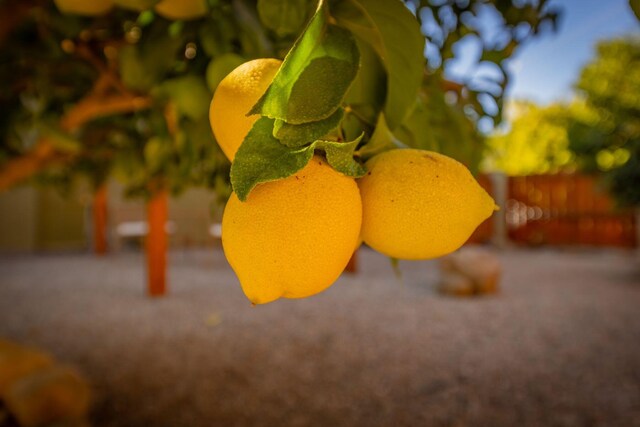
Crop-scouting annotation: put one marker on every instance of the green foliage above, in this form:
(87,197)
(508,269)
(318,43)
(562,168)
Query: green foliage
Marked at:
(298,135)
(378,23)
(340,156)
(635,7)
(306,94)
(610,84)
(536,143)
(598,132)
(189,94)
(353,83)
(285,17)
(262,158)
(314,76)
(448,23)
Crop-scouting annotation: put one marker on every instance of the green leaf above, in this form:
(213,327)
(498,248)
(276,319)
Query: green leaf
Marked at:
(253,39)
(212,39)
(381,140)
(59,139)
(156,154)
(199,135)
(635,7)
(394,33)
(144,65)
(189,94)
(417,129)
(261,158)
(285,17)
(314,76)
(340,156)
(496,56)
(132,70)
(299,135)
(369,87)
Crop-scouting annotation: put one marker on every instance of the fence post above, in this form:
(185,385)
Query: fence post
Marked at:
(500,194)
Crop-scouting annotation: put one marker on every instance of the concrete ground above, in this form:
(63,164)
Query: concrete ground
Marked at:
(560,346)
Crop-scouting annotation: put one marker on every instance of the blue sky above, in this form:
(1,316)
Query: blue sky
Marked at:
(545,69)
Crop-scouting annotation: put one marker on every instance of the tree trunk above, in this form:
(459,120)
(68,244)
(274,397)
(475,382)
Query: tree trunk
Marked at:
(156,243)
(100,221)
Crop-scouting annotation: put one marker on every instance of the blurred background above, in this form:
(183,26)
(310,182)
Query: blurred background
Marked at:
(112,189)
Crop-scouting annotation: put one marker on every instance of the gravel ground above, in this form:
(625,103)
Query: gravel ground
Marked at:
(560,346)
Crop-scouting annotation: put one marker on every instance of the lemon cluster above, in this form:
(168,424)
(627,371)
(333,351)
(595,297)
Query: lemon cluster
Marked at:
(292,238)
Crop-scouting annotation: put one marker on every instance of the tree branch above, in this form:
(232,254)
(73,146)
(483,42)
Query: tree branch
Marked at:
(44,153)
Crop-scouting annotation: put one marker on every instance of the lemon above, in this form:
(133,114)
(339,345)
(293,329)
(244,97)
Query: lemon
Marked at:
(293,237)
(84,7)
(419,204)
(234,97)
(182,9)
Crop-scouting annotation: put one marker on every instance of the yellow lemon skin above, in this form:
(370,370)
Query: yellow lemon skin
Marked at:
(419,204)
(236,94)
(292,238)
(84,7)
(182,9)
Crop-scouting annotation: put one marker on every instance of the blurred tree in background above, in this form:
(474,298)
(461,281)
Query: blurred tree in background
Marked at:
(123,90)
(611,87)
(597,132)
(536,142)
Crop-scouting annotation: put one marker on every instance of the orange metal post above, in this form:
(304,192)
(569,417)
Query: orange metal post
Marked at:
(100,221)
(156,244)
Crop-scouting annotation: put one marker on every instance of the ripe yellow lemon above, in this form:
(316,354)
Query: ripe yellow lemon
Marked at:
(419,204)
(84,7)
(234,97)
(182,9)
(293,237)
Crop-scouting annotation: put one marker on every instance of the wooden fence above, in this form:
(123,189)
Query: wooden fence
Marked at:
(560,210)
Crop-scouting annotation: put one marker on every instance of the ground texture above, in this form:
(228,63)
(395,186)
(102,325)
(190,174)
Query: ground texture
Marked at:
(560,346)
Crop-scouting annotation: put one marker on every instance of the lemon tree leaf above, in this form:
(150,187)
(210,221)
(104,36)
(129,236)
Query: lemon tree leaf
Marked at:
(340,156)
(189,94)
(261,158)
(394,33)
(156,153)
(285,17)
(59,139)
(132,70)
(369,87)
(381,140)
(144,65)
(299,135)
(315,74)
(635,7)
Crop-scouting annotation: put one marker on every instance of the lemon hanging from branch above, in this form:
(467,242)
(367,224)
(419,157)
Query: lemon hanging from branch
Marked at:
(234,97)
(293,237)
(418,204)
